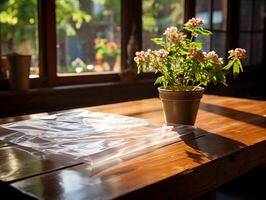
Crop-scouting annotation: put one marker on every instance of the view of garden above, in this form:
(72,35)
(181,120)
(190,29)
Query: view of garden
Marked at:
(88,32)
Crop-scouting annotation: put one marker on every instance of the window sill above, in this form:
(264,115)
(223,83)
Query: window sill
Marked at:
(73,96)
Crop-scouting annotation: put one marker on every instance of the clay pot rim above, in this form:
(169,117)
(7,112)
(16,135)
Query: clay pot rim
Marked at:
(201,89)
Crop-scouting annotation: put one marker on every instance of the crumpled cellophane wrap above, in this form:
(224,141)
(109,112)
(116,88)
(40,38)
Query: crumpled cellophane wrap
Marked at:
(100,139)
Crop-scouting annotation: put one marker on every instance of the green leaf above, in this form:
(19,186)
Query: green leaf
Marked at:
(182,51)
(229,65)
(187,29)
(236,68)
(158,41)
(196,44)
(203,31)
(240,65)
(159,80)
(206,32)
(139,69)
(165,83)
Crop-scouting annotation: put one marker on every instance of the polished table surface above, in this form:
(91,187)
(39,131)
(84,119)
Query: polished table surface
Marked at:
(233,141)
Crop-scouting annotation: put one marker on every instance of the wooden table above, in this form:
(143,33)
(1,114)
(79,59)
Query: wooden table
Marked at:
(234,143)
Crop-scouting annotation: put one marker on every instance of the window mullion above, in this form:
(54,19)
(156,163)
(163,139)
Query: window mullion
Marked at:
(252,31)
(47,40)
(50,40)
(190,6)
(131,33)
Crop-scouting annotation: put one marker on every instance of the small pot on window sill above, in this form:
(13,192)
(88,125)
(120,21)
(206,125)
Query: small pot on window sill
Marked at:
(19,71)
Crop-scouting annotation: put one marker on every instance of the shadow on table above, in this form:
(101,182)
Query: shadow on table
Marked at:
(243,116)
(211,146)
(245,187)
(219,160)
(9,192)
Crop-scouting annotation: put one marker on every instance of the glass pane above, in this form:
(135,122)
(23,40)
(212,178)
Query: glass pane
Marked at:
(245,15)
(157,16)
(205,41)
(219,14)
(257,48)
(219,43)
(244,42)
(203,11)
(88,36)
(19,32)
(259,16)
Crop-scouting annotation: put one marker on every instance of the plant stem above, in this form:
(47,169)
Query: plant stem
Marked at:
(196,87)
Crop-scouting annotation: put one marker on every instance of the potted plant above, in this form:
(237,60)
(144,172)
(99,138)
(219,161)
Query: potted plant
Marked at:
(184,69)
(106,50)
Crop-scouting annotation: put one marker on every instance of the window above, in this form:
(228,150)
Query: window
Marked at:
(214,13)
(19,31)
(157,16)
(251,29)
(244,29)
(88,37)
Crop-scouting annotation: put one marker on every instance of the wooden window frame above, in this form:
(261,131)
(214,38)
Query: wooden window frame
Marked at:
(253,31)
(47,14)
(213,30)
(233,31)
(131,12)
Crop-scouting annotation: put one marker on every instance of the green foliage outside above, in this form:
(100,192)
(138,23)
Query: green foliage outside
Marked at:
(16,14)
(79,18)
(18,18)
(24,12)
(157,14)
(68,11)
(17,23)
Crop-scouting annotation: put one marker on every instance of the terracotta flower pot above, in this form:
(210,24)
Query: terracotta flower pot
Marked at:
(19,71)
(180,107)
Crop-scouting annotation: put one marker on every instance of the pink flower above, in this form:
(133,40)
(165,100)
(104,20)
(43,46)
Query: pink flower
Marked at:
(112,45)
(197,54)
(142,56)
(239,53)
(212,55)
(174,36)
(161,54)
(194,22)
(171,30)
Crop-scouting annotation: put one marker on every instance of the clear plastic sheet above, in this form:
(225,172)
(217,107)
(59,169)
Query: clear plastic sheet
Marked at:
(99,139)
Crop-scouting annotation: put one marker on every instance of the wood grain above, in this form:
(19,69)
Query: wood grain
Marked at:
(18,162)
(234,142)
